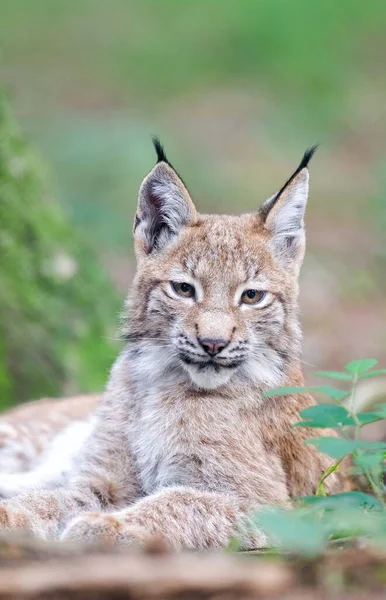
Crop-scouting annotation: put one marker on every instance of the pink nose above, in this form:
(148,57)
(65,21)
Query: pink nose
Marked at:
(211,346)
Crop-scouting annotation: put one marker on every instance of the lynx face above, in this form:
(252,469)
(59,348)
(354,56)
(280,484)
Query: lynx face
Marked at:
(215,296)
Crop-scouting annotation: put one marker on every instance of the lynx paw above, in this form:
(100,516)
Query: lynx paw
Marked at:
(93,528)
(97,528)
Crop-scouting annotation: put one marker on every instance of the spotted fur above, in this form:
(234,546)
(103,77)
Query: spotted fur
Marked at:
(185,445)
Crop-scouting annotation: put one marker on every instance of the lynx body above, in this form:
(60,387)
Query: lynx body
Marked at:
(184,445)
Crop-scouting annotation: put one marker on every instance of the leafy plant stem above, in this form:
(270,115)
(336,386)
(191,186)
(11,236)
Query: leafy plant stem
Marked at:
(376,489)
(358,425)
(320,490)
(352,407)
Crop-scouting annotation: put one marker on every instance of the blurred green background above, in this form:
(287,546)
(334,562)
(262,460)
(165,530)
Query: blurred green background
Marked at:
(236,91)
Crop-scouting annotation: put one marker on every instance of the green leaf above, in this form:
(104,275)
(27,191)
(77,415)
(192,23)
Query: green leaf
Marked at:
(306,528)
(323,415)
(328,390)
(366,418)
(353,499)
(314,424)
(358,367)
(375,373)
(338,447)
(333,446)
(372,446)
(285,391)
(350,521)
(293,530)
(369,462)
(331,391)
(334,375)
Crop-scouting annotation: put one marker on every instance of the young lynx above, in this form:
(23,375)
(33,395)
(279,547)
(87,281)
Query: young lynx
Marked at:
(184,445)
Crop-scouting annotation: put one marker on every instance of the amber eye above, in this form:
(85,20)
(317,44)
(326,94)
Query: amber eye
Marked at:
(183,289)
(252,297)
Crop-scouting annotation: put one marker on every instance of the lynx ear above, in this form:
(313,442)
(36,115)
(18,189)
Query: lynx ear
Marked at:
(282,215)
(164,206)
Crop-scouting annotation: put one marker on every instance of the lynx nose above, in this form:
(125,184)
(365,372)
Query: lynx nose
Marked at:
(211,346)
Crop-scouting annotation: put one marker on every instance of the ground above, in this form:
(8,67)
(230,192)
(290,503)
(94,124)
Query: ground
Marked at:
(36,571)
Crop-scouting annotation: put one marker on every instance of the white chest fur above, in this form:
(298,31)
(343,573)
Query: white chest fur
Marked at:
(191,441)
(163,443)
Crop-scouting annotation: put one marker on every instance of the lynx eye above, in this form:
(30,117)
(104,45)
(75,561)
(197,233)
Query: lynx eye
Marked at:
(252,296)
(183,289)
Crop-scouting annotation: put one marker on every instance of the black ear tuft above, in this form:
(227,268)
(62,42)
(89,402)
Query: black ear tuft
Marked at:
(161,156)
(309,153)
(270,203)
(164,205)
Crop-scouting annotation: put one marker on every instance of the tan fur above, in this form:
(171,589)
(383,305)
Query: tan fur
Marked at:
(185,447)
(28,429)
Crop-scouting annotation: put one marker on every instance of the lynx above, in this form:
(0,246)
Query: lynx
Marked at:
(40,440)
(184,445)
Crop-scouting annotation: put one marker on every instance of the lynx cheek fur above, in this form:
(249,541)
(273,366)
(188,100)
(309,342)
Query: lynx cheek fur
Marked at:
(185,446)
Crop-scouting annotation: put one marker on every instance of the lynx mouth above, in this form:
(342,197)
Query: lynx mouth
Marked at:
(206,364)
(207,373)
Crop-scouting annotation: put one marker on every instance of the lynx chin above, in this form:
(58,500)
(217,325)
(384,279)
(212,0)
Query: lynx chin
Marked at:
(183,445)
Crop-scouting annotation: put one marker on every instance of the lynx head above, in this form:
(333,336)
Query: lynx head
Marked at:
(215,296)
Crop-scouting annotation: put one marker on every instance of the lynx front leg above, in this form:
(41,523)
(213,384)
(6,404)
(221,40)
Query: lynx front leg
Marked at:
(98,487)
(43,512)
(183,517)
